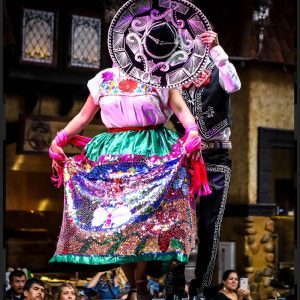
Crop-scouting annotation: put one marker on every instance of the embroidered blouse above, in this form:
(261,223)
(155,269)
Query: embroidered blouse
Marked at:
(125,102)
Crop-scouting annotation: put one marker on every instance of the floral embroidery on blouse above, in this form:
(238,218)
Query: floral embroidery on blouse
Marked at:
(128,85)
(111,86)
(107,76)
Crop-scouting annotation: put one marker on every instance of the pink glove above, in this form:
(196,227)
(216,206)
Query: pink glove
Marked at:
(199,182)
(61,140)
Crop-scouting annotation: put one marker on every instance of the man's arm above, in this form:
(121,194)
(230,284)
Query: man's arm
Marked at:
(228,76)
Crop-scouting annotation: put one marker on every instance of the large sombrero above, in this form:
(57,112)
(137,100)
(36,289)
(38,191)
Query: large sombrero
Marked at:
(157,41)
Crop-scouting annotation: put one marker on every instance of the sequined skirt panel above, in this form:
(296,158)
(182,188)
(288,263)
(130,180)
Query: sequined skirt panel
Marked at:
(124,208)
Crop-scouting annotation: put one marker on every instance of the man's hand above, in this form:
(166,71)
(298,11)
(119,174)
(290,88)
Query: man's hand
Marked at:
(209,38)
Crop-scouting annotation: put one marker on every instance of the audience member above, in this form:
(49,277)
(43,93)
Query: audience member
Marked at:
(17,279)
(108,285)
(34,289)
(67,291)
(230,288)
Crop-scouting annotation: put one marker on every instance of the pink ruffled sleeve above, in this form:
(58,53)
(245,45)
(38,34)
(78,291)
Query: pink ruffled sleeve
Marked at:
(94,87)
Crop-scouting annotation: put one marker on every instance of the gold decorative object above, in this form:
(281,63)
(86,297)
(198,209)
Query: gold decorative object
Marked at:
(270,257)
(266,238)
(250,239)
(251,231)
(269,247)
(270,226)
(255,248)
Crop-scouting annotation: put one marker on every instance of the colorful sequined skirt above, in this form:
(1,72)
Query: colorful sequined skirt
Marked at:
(126,199)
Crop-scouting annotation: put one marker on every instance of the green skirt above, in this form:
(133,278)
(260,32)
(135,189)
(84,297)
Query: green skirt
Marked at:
(145,142)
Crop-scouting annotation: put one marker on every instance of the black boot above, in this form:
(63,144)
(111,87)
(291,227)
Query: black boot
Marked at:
(175,281)
(195,292)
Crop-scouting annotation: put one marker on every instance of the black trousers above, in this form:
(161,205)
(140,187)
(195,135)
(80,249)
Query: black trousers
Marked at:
(210,213)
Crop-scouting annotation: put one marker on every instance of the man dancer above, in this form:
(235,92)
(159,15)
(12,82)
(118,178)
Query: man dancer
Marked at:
(208,98)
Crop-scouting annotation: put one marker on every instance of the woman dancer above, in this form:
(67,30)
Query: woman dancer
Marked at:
(129,194)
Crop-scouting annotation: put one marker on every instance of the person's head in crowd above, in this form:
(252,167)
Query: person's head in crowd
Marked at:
(230,280)
(118,273)
(34,289)
(17,279)
(231,287)
(67,291)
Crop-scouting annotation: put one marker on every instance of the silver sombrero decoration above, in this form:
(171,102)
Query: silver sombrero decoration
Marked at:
(157,41)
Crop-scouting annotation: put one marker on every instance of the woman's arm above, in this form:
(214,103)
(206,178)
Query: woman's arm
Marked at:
(82,119)
(180,108)
(185,116)
(95,280)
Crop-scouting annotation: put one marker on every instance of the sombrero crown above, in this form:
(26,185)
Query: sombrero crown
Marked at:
(157,42)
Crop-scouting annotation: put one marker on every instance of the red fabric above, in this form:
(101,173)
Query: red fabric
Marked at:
(200,184)
(79,140)
(57,175)
(202,80)
(135,128)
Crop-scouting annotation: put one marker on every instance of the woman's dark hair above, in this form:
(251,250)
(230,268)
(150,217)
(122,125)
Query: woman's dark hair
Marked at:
(227,273)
